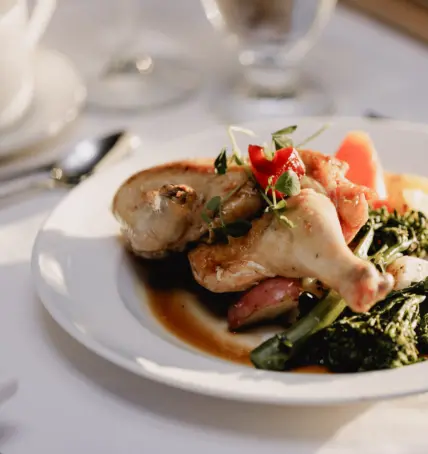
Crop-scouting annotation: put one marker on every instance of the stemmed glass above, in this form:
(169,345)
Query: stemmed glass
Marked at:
(135,76)
(272,38)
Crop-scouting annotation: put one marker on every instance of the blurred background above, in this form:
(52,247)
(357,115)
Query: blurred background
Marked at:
(364,64)
(168,68)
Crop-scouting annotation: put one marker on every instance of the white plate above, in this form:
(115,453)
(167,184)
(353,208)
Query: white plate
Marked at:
(83,279)
(58,98)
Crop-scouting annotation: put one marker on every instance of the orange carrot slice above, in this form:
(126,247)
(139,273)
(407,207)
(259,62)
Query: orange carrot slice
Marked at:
(357,149)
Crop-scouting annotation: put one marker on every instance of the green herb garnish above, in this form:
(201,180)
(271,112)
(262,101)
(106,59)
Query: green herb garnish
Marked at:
(214,204)
(281,205)
(284,131)
(213,209)
(313,136)
(281,138)
(277,207)
(220,164)
(288,183)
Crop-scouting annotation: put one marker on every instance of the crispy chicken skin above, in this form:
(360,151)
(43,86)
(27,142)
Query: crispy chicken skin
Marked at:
(159,209)
(315,247)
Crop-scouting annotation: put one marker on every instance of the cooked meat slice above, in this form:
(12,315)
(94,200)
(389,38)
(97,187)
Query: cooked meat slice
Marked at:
(323,167)
(266,301)
(315,247)
(234,267)
(159,209)
(326,174)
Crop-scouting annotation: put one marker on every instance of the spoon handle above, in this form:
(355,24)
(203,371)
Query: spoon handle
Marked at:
(38,180)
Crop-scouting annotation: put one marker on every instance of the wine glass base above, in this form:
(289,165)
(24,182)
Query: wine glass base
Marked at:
(233,102)
(139,83)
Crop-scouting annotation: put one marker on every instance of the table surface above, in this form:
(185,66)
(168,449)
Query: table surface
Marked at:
(71,401)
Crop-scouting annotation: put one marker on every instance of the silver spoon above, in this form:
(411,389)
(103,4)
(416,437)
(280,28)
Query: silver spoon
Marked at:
(84,158)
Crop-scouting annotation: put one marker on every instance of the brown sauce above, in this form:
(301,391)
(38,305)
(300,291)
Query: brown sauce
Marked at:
(174,316)
(190,312)
(198,317)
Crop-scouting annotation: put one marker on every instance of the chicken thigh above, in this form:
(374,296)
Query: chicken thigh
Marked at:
(159,209)
(315,247)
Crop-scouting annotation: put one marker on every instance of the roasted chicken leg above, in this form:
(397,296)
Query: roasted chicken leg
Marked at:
(159,209)
(315,247)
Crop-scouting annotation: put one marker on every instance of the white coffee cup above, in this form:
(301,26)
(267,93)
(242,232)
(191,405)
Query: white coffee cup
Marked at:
(19,36)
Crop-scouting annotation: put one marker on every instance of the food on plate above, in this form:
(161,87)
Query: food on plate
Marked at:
(323,249)
(407,192)
(383,338)
(385,239)
(160,209)
(314,247)
(266,301)
(350,200)
(365,168)
(406,270)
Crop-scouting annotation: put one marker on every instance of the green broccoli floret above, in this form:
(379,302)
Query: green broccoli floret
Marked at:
(384,338)
(379,339)
(392,228)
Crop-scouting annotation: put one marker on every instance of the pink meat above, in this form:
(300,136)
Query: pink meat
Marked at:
(265,301)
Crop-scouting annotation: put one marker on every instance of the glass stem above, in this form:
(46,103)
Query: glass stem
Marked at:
(266,76)
(130,24)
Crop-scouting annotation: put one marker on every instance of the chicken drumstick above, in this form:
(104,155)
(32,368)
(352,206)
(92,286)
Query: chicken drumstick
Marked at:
(315,247)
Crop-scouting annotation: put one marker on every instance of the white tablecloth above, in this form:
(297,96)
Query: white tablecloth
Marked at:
(70,401)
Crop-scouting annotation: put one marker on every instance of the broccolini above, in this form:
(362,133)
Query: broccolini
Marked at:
(388,336)
(384,338)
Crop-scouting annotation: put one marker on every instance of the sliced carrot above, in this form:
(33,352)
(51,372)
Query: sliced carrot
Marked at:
(357,149)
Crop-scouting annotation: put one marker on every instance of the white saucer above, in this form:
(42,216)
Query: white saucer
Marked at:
(59,96)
